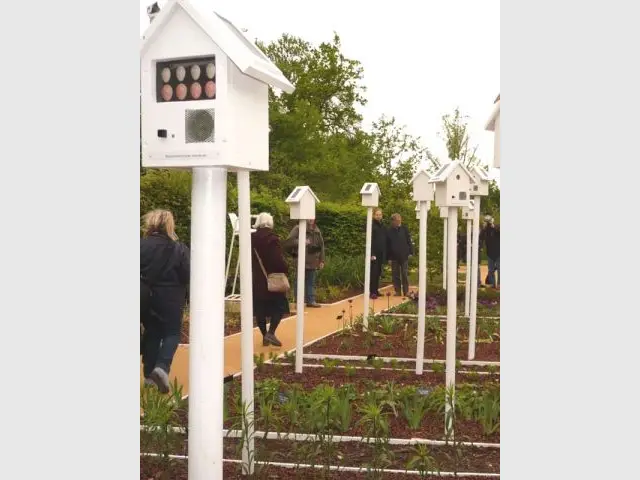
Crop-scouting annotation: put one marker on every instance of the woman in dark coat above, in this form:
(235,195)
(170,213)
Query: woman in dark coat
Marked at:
(164,278)
(266,247)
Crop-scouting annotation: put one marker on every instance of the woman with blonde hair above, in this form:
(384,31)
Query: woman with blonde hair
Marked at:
(267,258)
(164,279)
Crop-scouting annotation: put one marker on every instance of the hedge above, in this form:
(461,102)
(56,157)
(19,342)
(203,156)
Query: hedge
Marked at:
(342,225)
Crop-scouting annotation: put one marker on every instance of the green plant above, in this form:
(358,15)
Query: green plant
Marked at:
(438,367)
(386,324)
(340,406)
(329,364)
(258,360)
(422,461)
(488,411)
(160,416)
(350,370)
(414,408)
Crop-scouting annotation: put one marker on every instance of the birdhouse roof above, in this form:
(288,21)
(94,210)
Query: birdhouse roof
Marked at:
(447,170)
(300,192)
(480,173)
(491,123)
(369,188)
(419,173)
(249,59)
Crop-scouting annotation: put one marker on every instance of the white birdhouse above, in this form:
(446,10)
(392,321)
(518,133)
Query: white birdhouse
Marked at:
(422,189)
(370,195)
(418,209)
(467,212)
(302,203)
(481,182)
(453,184)
(204,92)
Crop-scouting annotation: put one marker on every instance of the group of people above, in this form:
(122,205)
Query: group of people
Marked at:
(393,245)
(165,266)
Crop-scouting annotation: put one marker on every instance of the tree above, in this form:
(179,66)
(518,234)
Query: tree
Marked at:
(456,137)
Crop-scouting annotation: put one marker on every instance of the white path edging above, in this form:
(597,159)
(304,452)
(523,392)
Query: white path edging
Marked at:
(358,367)
(468,363)
(310,437)
(339,468)
(440,317)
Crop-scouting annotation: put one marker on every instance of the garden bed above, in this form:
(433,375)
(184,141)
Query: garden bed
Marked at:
(389,336)
(152,469)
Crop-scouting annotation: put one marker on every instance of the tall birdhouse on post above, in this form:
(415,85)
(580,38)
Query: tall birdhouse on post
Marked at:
(302,203)
(204,101)
(204,92)
(453,184)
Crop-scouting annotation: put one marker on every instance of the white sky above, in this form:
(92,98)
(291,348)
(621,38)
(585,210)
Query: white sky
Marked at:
(421,59)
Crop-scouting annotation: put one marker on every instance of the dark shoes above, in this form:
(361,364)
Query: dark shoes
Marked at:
(313,305)
(270,339)
(161,379)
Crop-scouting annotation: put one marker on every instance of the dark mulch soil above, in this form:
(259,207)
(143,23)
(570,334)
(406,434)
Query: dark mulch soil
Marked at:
(360,378)
(398,344)
(356,454)
(150,469)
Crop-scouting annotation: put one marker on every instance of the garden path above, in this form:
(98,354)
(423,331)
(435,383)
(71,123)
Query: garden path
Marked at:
(318,323)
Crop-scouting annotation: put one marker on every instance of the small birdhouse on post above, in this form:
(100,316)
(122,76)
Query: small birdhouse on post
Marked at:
(370,195)
(302,203)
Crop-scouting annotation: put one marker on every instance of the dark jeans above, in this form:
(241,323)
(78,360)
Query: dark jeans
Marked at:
(309,286)
(494,266)
(400,275)
(159,343)
(376,273)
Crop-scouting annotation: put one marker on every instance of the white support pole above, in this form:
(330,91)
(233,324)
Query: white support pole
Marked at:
(235,278)
(452,300)
(475,266)
(302,250)
(206,349)
(422,287)
(467,277)
(444,256)
(367,268)
(226,273)
(246,317)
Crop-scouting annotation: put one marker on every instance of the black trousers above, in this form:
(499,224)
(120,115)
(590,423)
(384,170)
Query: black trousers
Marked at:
(400,275)
(376,273)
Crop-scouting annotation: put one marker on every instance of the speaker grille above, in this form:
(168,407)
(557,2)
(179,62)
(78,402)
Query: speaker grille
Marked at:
(199,126)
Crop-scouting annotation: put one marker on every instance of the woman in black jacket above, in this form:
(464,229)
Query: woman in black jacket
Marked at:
(164,279)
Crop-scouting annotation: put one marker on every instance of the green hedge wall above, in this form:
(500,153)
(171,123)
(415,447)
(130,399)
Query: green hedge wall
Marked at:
(343,226)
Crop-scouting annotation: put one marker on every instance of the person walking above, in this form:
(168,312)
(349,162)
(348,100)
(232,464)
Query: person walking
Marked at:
(314,259)
(378,253)
(399,249)
(165,268)
(267,258)
(490,237)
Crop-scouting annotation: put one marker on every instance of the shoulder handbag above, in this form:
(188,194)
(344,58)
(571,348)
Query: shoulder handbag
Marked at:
(158,267)
(276,282)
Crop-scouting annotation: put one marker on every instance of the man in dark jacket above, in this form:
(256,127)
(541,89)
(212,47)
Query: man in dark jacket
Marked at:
(378,252)
(314,259)
(399,249)
(490,237)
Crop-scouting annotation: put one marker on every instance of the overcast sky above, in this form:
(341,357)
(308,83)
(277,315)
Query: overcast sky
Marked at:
(421,59)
